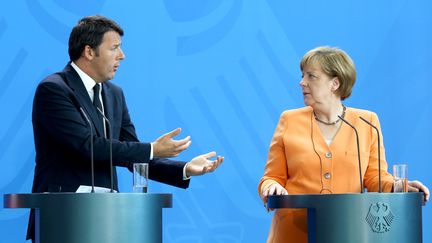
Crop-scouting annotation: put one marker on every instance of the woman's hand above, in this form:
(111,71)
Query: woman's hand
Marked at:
(417,186)
(272,189)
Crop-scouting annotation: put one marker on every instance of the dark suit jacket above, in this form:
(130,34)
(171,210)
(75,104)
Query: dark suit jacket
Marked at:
(62,138)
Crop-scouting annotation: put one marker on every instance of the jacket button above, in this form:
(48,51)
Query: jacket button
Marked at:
(327,175)
(328,155)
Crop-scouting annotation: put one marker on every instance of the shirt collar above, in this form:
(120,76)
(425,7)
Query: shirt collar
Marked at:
(88,82)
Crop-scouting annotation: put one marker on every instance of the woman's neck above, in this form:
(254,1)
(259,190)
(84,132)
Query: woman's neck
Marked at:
(329,112)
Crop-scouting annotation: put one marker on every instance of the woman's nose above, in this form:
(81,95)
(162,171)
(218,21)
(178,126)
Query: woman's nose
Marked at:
(302,82)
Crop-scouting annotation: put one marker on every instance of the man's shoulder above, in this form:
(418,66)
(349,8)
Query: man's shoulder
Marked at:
(59,77)
(112,87)
(53,80)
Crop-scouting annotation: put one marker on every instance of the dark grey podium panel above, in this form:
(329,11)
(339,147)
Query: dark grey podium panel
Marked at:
(360,218)
(95,217)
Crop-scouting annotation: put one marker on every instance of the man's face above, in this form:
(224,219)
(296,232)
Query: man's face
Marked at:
(107,57)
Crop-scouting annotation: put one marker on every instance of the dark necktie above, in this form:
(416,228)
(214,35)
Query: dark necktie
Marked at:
(97,103)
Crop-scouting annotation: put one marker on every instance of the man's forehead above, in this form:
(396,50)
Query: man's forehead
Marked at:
(112,37)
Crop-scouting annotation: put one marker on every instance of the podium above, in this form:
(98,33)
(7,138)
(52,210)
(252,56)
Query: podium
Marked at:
(368,217)
(94,217)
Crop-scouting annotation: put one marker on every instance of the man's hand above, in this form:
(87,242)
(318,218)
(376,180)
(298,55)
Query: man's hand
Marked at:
(201,164)
(165,146)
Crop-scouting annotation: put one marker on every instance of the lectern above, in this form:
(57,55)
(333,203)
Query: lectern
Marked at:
(94,217)
(368,217)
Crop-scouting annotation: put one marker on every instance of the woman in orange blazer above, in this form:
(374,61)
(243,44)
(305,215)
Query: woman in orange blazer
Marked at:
(314,152)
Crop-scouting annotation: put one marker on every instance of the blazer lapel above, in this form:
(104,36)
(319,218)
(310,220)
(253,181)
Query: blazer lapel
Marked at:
(76,84)
(107,97)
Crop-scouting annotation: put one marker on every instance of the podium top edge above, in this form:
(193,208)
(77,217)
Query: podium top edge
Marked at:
(34,200)
(316,200)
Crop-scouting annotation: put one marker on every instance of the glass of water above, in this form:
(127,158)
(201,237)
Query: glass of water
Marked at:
(400,174)
(140,177)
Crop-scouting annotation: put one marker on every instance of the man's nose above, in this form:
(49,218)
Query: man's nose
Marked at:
(121,55)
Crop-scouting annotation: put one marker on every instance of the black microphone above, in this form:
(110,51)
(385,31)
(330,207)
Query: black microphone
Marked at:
(358,153)
(91,148)
(110,149)
(379,152)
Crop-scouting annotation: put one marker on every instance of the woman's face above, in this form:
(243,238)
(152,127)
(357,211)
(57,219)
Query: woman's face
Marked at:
(317,87)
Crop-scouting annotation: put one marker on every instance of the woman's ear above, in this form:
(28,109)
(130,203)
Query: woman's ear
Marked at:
(335,84)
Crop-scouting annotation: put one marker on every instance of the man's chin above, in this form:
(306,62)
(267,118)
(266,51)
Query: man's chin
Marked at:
(110,77)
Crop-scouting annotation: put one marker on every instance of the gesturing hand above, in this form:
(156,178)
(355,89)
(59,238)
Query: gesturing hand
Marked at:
(201,164)
(165,146)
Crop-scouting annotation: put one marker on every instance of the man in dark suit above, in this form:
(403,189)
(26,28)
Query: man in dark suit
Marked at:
(62,104)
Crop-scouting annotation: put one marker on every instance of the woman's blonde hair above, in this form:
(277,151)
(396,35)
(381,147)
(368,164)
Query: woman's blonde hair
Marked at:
(335,63)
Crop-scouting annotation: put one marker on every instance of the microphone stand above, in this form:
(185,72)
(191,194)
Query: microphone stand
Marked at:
(358,153)
(110,149)
(379,153)
(91,148)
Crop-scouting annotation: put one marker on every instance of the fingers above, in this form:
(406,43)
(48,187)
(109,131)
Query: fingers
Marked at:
(212,165)
(201,165)
(182,147)
(209,154)
(416,186)
(272,189)
(215,164)
(426,192)
(165,146)
(173,133)
(208,165)
(281,191)
(413,189)
(182,141)
(276,189)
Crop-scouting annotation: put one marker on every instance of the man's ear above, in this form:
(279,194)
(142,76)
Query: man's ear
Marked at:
(88,53)
(335,84)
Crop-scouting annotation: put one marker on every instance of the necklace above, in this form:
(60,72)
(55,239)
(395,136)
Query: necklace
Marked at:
(331,123)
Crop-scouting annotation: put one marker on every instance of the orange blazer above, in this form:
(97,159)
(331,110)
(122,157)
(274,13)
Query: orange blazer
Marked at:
(300,160)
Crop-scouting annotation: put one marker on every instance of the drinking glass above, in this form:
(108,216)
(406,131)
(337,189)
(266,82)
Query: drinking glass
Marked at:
(140,177)
(400,174)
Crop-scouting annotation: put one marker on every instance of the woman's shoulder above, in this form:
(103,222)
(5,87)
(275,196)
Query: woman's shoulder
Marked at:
(296,112)
(361,111)
(366,114)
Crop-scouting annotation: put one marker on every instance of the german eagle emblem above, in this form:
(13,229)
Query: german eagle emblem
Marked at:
(380,217)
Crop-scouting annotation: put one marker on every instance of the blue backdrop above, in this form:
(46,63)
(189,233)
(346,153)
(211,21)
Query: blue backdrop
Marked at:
(223,71)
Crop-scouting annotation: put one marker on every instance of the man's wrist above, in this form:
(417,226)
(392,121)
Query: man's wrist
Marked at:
(185,176)
(151,151)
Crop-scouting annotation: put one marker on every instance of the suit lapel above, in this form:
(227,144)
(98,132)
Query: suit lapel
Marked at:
(76,84)
(107,97)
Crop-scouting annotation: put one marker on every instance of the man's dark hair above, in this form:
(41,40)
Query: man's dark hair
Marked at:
(90,31)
